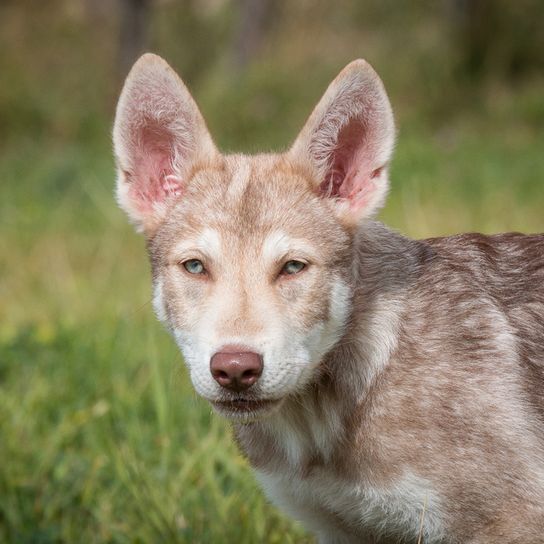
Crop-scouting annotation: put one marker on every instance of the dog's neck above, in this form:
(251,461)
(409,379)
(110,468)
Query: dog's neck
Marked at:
(310,428)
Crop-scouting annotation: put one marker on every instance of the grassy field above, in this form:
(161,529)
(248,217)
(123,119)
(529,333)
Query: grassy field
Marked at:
(101,436)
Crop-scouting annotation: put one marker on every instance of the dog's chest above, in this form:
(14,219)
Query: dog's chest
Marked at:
(310,484)
(407,507)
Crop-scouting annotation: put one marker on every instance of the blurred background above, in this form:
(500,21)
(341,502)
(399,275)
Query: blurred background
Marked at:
(101,436)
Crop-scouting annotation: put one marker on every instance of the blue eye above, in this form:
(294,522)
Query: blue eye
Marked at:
(292,267)
(194,266)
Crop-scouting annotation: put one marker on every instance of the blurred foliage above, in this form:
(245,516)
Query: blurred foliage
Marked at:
(101,436)
(61,68)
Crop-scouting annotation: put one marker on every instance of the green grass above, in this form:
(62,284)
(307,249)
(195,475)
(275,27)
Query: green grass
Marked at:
(101,436)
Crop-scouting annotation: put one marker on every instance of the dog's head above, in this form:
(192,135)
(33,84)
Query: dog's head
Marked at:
(251,255)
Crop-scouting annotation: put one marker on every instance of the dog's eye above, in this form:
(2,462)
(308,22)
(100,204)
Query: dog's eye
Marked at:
(292,267)
(194,266)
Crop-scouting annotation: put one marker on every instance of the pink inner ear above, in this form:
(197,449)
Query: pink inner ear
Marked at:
(351,173)
(152,177)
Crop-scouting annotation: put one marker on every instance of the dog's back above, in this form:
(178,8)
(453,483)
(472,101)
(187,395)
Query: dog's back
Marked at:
(461,398)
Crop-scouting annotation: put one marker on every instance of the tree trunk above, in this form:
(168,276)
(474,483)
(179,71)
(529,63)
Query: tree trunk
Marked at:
(134,31)
(254,21)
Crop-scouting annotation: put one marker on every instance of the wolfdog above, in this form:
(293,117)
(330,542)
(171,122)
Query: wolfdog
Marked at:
(383,389)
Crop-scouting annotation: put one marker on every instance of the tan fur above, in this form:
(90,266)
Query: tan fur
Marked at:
(403,378)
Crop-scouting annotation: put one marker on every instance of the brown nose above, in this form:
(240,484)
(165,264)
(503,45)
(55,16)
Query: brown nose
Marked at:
(236,370)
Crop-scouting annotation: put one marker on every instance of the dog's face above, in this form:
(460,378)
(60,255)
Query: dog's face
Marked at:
(251,256)
(252,261)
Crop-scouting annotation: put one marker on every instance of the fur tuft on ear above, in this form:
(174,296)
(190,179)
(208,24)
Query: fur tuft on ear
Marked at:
(158,136)
(348,141)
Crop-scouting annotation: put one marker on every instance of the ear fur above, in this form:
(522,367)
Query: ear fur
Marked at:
(348,141)
(158,136)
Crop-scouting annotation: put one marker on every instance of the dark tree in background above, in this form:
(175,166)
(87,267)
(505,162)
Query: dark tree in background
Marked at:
(134,16)
(501,38)
(254,21)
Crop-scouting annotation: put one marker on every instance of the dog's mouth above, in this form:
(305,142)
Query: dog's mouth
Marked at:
(244,408)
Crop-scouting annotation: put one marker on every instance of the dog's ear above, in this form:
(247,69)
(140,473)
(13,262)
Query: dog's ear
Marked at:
(158,136)
(348,141)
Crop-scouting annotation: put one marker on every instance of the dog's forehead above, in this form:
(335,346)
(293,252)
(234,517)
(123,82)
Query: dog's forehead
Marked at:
(254,190)
(251,207)
(247,198)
